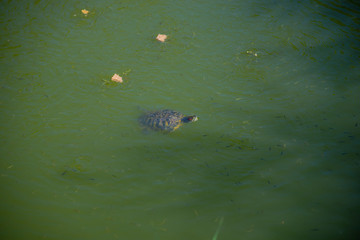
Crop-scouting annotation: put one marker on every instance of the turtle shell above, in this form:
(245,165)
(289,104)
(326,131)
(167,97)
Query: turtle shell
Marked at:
(163,120)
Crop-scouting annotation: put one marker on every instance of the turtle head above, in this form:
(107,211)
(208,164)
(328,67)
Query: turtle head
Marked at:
(187,119)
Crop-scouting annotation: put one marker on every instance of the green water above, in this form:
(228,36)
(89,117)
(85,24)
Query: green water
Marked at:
(274,155)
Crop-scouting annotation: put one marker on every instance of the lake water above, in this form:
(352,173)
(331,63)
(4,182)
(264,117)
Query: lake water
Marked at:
(274,155)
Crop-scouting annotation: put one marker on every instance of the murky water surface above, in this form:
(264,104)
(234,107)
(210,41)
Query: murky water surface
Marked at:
(274,155)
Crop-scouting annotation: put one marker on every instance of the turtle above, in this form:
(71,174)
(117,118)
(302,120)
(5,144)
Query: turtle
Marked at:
(166,120)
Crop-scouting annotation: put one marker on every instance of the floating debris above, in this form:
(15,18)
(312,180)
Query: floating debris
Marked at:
(116,78)
(161,37)
(85,12)
(252,53)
